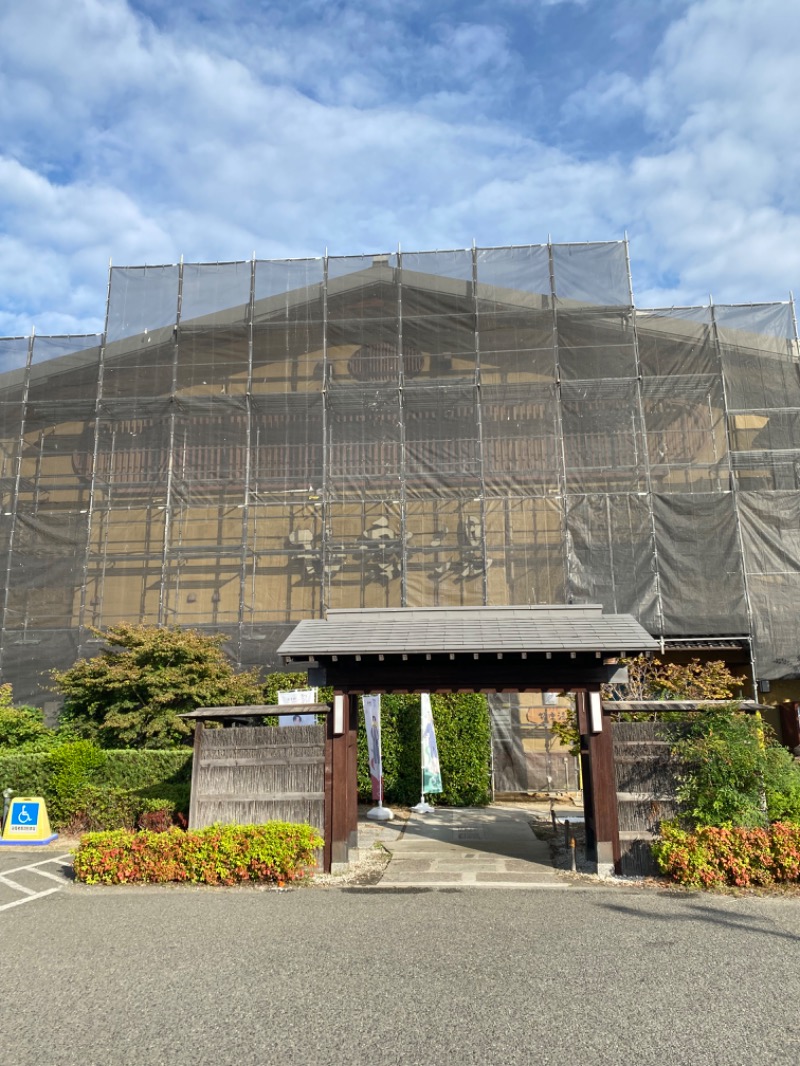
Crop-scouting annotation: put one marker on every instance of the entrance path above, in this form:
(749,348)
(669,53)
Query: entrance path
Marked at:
(482,846)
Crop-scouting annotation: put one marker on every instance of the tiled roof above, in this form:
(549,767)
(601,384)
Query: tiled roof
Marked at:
(413,630)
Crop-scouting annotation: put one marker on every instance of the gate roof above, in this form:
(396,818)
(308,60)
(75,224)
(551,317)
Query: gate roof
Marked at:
(443,630)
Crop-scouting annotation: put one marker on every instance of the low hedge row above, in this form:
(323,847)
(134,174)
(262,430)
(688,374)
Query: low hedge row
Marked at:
(88,788)
(711,857)
(220,855)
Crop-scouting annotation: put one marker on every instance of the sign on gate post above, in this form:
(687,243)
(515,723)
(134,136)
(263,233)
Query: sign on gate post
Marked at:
(26,822)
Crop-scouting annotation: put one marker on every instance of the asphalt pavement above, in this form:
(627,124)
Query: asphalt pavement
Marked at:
(603,974)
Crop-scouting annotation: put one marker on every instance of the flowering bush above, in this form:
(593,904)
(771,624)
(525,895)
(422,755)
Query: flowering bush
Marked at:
(220,855)
(711,857)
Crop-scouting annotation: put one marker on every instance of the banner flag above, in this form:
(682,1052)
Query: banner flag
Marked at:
(289,699)
(372,721)
(431,772)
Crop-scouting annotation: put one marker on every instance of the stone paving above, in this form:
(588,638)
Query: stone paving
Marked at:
(485,846)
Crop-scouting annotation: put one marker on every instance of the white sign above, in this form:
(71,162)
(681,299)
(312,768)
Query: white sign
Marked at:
(291,699)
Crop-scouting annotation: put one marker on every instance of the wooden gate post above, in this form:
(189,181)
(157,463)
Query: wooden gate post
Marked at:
(600,787)
(341,781)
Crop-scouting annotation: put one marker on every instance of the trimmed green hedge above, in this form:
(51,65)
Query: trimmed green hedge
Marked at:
(220,855)
(463,736)
(85,786)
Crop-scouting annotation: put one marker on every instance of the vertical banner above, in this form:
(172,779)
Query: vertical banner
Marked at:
(290,699)
(431,772)
(372,721)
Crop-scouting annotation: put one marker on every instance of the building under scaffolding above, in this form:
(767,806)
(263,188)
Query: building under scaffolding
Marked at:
(251,443)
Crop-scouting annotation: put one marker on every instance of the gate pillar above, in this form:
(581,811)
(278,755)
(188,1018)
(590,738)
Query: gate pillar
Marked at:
(341,780)
(600,785)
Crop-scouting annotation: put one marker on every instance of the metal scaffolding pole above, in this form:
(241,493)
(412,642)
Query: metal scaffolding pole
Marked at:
(163,618)
(248,399)
(479,416)
(403,457)
(734,488)
(15,492)
(562,468)
(646,450)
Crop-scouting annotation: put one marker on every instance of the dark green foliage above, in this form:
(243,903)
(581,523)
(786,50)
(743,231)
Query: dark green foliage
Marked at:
(735,773)
(463,738)
(85,786)
(220,855)
(133,693)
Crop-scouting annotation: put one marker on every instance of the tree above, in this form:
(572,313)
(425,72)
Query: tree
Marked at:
(22,728)
(650,679)
(130,695)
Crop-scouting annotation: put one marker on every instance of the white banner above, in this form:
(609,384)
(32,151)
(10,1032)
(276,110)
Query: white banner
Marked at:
(290,699)
(372,721)
(431,772)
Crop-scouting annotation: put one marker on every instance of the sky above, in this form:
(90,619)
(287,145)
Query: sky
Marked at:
(138,131)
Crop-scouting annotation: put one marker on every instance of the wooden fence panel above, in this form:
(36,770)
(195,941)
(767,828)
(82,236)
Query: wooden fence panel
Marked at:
(252,775)
(646,781)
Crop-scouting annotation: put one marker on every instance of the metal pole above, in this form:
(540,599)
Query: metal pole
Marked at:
(479,419)
(562,454)
(401,396)
(323,577)
(163,618)
(646,452)
(734,488)
(248,400)
(15,492)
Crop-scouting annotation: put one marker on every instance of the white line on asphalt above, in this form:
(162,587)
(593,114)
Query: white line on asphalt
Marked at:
(30,894)
(29,899)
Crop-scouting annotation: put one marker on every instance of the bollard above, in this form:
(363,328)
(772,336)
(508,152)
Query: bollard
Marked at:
(572,854)
(7,794)
(566,833)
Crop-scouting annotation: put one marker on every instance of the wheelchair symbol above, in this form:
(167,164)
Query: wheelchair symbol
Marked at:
(23,817)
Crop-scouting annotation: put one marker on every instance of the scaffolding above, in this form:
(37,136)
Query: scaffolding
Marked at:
(248,444)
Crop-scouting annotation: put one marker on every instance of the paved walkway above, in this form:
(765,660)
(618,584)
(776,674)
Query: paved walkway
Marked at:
(484,846)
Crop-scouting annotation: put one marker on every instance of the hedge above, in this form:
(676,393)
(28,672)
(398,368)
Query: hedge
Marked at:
(220,855)
(464,740)
(713,857)
(85,787)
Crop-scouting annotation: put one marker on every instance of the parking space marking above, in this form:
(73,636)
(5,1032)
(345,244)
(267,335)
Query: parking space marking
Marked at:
(30,894)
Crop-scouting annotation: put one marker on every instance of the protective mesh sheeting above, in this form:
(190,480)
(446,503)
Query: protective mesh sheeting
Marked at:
(141,301)
(364,554)
(46,570)
(771,537)
(442,446)
(526,756)
(687,447)
(676,341)
(254,442)
(525,550)
(445,556)
(592,345)
(610,555)
(603,446)
(700,564)
(284,561)
(365,441)
(286,446)
(29,656)
(511,277)
(591,274)
(203,565)
(521,441)
(125,571)
(218,294)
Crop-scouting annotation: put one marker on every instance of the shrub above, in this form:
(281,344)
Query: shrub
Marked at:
(734,773)
(463,738)
(222,854)
(88,789)
(711,857)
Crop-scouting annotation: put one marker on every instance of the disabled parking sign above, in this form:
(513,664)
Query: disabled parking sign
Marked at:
(26,822)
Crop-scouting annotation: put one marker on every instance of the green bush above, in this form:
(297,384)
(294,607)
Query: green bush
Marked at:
(712,857)
(87,788)
(733,772)
(276,852)
(464,740)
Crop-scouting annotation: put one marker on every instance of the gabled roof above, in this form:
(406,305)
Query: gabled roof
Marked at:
(416,630)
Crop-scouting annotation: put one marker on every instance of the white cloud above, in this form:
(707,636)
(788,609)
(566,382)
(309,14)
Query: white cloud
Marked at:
(143,133)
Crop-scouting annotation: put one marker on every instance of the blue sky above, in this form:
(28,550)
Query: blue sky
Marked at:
(141,131)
